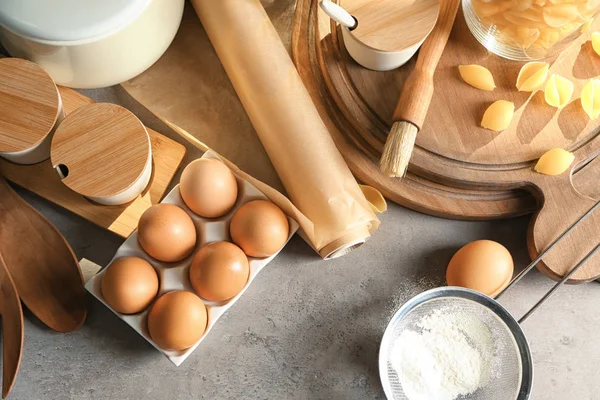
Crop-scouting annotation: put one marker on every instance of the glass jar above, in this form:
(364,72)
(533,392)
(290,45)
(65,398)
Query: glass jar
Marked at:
(526,30)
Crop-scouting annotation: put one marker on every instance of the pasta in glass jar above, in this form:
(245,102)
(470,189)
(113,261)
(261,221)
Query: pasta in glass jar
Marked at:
(528,29)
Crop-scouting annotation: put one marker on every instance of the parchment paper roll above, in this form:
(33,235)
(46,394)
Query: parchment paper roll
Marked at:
(313,172)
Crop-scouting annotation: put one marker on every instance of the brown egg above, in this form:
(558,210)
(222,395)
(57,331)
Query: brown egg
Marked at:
(260,228)
(482,265)
(167,233)
(177,320)
(208,188)
(129,285)
(219,271)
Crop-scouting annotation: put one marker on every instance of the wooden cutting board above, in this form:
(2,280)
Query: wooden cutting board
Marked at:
(356,123)
(452,151)
(43,180)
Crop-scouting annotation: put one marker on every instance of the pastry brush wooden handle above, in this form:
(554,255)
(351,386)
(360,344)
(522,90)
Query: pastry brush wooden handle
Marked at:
(418,88)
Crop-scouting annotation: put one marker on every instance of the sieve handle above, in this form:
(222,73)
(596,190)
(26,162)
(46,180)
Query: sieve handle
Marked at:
(541,256)
(563,280)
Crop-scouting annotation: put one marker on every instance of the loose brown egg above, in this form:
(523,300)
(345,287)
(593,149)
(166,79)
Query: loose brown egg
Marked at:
(208,188)
(482,265)
(129,285)
(219,271)
(260,228)
(167,232)
(177,320)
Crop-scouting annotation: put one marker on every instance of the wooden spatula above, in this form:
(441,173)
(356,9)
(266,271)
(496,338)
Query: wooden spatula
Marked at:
(41,264)
(12,329)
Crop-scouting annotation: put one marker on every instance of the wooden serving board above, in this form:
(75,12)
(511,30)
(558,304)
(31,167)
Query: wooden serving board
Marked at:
(452,151)
(43,180)
(354,121)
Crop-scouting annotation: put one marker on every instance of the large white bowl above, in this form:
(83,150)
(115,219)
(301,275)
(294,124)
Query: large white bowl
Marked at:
(93,43)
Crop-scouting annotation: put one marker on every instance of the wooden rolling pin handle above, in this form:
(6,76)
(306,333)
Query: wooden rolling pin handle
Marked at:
(418,88)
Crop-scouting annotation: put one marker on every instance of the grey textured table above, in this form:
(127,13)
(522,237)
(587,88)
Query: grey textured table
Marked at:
(306,329)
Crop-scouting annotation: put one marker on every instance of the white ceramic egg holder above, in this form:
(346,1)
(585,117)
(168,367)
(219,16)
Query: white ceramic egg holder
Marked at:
(174,276)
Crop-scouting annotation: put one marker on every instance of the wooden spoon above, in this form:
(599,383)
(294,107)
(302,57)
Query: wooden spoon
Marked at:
(12,329)
(41,264)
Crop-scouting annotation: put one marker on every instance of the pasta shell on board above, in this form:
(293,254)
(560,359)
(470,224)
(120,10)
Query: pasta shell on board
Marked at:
(554,162)
(532,76)
(590,98)
(477,76)
(498,115)
(558,91)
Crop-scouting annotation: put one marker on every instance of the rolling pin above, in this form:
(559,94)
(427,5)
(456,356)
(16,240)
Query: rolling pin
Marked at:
(311,168)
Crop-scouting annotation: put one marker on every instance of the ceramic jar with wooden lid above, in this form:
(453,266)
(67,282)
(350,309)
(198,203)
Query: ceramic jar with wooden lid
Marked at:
(30,109)
(103,152)
(385,34)
(92,43)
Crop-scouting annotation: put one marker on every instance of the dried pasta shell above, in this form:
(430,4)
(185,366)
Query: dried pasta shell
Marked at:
(569,28)
(554,162)
(558,91)
(477,76)
(596,42)
(526,37)
(587,25)
(518,19)
(548,38)
(498,115)
(488,9)
(521,5)
(521,36)
(560,14)
(587,9)
(532,76)
(590,98)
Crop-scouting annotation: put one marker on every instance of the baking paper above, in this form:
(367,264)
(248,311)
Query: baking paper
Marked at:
(330,207)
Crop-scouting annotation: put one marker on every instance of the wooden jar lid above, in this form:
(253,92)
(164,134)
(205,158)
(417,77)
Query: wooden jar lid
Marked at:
(101,150)
(30,104)
(392,25)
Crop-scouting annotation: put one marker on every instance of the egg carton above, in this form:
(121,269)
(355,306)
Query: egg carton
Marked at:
(175,276)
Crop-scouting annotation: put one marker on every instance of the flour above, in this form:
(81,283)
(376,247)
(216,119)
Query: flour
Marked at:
(447,357)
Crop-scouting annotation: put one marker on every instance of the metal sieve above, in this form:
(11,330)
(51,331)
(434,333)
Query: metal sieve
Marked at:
(511,363)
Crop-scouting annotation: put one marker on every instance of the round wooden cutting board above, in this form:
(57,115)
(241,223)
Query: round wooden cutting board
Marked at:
(359,123)
(459,169)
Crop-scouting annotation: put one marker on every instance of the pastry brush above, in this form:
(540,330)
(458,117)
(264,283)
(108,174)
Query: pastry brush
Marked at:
(412,106)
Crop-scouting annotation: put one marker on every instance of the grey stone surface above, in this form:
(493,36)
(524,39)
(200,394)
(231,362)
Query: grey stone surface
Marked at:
(305,329)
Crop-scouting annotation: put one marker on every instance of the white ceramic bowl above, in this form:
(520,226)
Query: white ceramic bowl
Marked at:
(92,43)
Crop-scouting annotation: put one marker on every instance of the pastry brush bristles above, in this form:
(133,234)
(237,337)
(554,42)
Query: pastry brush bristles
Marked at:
(398,149)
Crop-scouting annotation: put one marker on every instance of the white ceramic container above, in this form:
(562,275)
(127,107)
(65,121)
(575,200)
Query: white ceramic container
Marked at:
(375,59)
(91,43)
(103,152)
(39,151)
(383,35)
(30,111)
(175,276)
